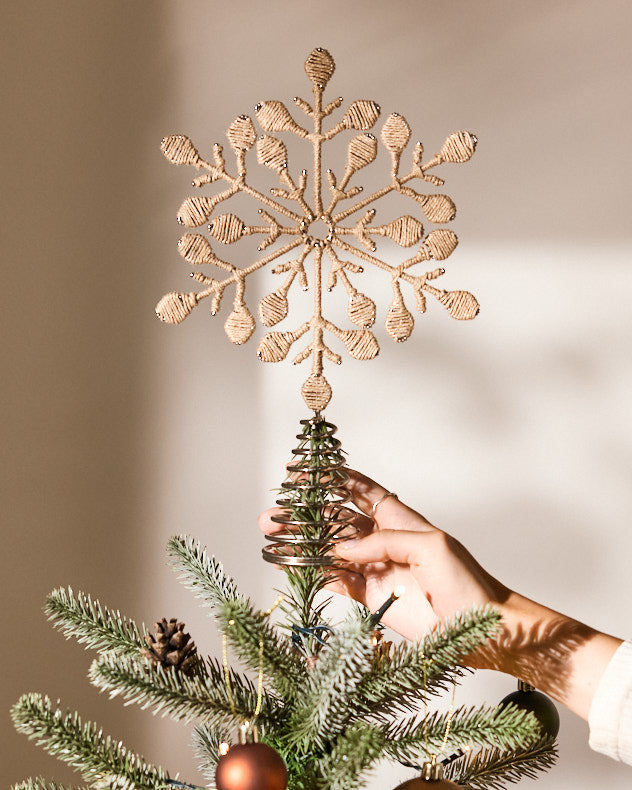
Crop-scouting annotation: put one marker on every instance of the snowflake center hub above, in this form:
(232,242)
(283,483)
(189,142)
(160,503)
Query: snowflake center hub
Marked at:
(318,232)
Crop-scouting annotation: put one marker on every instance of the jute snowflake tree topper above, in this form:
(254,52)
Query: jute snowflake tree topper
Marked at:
(329,234)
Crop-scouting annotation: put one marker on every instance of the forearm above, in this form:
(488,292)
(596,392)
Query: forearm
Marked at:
(558,655)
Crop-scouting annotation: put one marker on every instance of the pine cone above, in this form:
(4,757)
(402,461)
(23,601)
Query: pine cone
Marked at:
(171,647)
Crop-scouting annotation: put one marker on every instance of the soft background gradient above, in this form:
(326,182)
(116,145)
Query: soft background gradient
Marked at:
(513,432)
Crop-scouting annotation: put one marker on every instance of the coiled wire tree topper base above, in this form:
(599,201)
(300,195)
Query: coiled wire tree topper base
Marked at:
(292,218)
(314,516)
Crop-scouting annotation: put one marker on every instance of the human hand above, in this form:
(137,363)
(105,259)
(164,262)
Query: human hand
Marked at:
(400,548)
(396,546)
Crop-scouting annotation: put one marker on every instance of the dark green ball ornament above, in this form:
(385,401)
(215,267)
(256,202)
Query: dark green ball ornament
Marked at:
(527,698)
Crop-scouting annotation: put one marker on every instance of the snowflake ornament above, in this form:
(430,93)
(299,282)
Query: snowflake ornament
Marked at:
(325,239)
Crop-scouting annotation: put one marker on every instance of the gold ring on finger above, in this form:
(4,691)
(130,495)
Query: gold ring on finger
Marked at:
(380,500)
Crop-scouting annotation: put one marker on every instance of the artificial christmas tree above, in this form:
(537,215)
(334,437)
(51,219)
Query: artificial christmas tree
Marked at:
(331,698)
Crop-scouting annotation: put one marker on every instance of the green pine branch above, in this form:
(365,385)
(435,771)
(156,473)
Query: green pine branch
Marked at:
(301,604)
(96,626)
(202,695)
(83,746)
(303,769)
(39,783)
(246,628)
(323,708)
(508,727)
(415,670)
(206,743)
(352,755)
(201,573)
(492,769)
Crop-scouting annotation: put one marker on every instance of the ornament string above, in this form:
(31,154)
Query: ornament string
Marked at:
(375,620)
(433,770)
(450,715)
(446,736)
(229,688)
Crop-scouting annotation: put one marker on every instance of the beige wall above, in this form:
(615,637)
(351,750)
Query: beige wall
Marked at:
(513,432)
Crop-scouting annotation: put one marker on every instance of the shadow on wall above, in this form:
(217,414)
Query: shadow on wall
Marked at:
(85,83)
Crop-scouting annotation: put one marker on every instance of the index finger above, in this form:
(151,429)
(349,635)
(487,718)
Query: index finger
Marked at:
(365,493)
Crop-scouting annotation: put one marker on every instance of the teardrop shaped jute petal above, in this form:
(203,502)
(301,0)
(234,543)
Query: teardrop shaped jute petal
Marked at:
(272,153)
(399,322)
(404,231)
(458,147)
(441,243)
(320,67)
(241,134)
(360,343)
(395,133)
(361,152)
(361,310)
(361,115)
(195,248)
(316,392)
(274,116)
(438,208)
(461,305)
(227,228)
(240,325)
(174,307)
(273,347)
(179,150)
(273,308)
(194,211)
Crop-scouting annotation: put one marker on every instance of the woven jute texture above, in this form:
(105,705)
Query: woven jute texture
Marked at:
(317,229)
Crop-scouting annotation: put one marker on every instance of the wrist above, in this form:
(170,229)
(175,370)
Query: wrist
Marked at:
(555,653)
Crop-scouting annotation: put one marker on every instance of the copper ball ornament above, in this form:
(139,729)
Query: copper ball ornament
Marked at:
(430,778)
(251,766)
(419,783)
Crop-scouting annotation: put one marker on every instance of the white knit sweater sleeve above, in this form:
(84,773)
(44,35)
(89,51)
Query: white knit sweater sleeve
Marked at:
(610,716)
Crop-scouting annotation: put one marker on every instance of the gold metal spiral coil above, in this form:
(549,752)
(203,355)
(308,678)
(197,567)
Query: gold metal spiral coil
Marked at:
(311,529)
